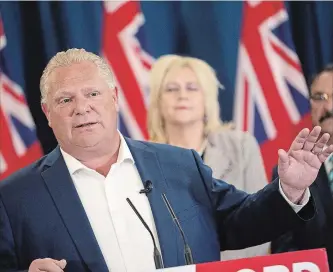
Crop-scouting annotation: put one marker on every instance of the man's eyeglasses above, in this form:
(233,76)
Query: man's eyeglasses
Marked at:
(321,96)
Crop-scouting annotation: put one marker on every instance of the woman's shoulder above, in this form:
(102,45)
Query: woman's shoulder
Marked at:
(231,135)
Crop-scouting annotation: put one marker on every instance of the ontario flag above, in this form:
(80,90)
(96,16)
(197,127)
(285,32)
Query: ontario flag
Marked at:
(271,97)
(19,145)
(123,48)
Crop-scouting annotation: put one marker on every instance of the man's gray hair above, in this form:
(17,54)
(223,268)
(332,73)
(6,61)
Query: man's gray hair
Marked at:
(71,56)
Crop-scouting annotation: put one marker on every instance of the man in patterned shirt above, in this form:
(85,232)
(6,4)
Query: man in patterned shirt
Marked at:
(318,233)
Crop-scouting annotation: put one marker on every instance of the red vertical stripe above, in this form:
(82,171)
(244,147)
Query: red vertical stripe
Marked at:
(114,23)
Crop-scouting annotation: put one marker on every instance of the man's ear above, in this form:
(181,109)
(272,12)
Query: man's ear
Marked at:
(115,98)
(46,112)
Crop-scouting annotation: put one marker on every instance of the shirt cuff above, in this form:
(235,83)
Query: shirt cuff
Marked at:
(303,202)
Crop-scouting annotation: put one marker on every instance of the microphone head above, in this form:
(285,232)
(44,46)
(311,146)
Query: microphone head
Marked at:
(148,187)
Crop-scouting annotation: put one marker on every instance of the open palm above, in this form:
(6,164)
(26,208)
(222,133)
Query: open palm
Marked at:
(299,167)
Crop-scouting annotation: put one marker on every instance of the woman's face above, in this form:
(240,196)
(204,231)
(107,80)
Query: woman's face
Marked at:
(182,98)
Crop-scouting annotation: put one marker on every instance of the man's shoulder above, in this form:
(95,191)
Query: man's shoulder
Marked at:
(22,176)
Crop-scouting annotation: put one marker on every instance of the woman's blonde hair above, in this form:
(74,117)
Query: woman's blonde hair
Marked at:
(71,56)
(208,81)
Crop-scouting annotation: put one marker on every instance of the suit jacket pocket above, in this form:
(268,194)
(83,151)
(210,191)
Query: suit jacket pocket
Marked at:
(188,213)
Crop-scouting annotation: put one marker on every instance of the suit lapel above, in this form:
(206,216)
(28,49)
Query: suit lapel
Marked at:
(67,201)
(149,169)
(325,193)
(325,196)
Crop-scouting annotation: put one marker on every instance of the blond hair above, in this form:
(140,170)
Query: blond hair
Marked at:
(71,56)
(207,80)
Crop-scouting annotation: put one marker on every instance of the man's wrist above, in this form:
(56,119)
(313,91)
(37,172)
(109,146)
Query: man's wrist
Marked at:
(295,195)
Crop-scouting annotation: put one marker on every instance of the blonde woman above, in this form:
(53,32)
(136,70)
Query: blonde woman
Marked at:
(184,111)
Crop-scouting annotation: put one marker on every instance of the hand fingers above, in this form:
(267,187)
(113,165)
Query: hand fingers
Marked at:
(324,155)
(318,147)
(49,266)
(300,139)
(283,160)
(312,138)
(62,263)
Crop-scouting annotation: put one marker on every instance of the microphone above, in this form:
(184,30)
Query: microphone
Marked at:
(147,187)
(157,255)
(187,250)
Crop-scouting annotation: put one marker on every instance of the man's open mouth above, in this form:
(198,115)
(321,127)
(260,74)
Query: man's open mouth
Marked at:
(86,124)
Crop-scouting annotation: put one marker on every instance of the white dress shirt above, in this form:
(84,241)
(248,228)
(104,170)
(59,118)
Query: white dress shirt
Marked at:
(124,242)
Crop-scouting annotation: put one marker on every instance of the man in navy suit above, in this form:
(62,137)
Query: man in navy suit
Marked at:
(317,233)
(68,211)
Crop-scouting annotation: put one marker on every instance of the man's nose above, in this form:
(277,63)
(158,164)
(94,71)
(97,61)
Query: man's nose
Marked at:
(328,105)
(82,106)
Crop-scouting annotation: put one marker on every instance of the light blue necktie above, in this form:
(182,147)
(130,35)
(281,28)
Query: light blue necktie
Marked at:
(330,174)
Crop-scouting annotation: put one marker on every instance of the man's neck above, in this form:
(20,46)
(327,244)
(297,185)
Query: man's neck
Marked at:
(102,164)
(98,159)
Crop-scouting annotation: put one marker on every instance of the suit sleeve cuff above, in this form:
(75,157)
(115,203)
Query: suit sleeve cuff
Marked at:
(303,201)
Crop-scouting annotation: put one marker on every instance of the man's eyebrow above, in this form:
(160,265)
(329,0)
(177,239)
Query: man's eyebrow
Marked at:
(63,93)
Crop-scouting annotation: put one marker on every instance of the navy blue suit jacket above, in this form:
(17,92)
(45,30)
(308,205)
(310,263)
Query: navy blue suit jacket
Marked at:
(41,214)
(317,233)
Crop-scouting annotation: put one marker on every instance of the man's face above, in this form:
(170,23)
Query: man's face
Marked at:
(81,108)
(322,102)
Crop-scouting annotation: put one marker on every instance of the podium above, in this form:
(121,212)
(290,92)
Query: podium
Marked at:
(314,260)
